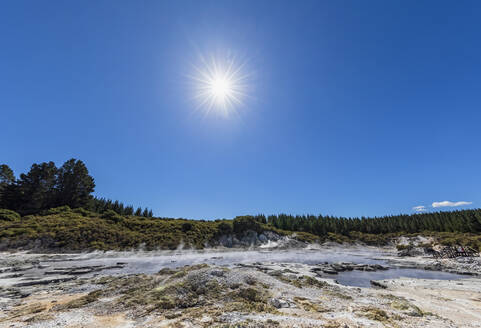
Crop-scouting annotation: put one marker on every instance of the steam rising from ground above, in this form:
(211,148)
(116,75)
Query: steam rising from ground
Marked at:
(150,262)
(153,261)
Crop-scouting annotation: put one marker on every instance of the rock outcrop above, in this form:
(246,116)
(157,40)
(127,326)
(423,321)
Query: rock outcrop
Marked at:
(335,268)
(252,238)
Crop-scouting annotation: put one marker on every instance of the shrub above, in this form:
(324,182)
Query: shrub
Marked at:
(81,301)
(82,211)
(225,228)
(186,226)
(111,215)
(7,215)
(244,223)
(305,237)
(57,210)
(98,245)
(250,294)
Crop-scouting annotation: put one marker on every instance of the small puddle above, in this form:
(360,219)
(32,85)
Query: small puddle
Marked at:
(363,278)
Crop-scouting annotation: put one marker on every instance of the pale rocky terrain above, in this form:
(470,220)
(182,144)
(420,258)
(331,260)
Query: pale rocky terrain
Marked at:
(244,294)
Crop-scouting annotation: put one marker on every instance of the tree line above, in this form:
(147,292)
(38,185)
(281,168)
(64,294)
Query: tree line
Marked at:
(453,221)
(101,205)
(45,186)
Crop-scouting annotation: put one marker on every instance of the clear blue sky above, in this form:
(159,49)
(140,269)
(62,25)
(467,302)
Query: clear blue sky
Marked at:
(355,107)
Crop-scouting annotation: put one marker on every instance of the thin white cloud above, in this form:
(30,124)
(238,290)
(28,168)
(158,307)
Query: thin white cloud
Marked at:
(450,204)
(419,208)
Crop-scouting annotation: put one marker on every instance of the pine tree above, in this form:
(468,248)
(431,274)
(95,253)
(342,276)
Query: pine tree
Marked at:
(129,210)
(37,190)
(138,212)
(7,178)
(74,184)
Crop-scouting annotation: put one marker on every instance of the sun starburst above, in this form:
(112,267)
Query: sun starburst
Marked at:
(220,85)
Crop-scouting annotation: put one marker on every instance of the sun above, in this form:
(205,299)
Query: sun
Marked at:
(220,86)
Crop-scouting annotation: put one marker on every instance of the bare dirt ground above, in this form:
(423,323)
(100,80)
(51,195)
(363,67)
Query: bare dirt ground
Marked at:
(256,295)
(458,301)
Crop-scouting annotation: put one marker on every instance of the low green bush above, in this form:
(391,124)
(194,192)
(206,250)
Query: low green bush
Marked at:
(244,223)
(111,215)
(186,227)
(306,237)
(83,212)
(7,215)
(225,228)
(57,210)
(108,231)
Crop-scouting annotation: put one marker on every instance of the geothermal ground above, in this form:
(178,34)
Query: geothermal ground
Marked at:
(317,286)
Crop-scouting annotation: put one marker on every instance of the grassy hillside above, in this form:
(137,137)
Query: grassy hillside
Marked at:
(65,229)
(79,229)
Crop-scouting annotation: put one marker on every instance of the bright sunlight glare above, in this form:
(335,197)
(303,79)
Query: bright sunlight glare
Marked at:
(220,86)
